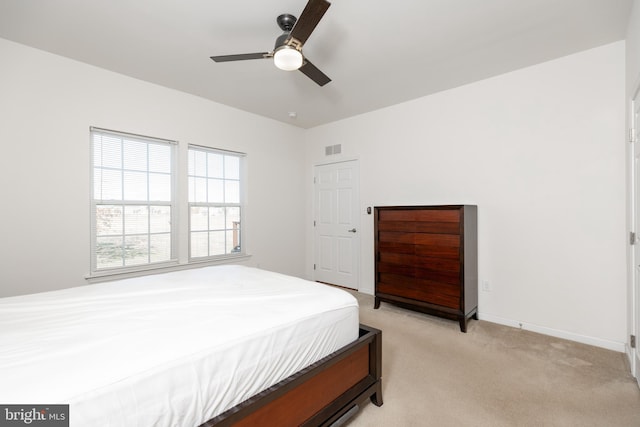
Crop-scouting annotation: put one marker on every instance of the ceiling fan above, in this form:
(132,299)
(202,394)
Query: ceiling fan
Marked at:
(287,53)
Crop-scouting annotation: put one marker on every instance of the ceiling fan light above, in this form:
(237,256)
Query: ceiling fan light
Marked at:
(287,58)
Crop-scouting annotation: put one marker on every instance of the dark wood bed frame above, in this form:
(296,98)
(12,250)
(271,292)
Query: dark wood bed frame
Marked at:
(326,393)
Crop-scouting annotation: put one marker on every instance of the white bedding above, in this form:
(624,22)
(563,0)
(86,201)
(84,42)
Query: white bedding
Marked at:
(174,349)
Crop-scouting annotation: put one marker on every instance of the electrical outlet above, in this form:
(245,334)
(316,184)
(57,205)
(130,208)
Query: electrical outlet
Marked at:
(486,286)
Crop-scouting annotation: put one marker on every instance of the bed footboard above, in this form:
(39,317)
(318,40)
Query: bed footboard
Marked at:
(325,393)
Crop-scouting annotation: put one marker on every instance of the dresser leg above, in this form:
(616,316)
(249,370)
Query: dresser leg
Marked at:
(376,304)
(464,320)
(463,324)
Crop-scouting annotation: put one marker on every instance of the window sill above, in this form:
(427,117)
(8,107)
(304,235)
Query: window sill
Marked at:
(106,276)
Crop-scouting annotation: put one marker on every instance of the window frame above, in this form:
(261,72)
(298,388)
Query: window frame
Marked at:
(173,204)
(241,204)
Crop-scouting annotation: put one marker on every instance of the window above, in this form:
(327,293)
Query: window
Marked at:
(215,202)
(132,201)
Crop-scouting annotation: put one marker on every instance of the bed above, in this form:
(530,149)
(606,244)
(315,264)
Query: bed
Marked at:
(214,346)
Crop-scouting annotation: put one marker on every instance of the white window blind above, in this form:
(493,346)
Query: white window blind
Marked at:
(215,202)
(133,200)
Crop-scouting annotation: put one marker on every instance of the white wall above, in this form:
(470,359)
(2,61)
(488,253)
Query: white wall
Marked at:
(541,151)
(48,103)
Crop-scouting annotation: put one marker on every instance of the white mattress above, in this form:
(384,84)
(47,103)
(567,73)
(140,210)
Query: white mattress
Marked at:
(174,349)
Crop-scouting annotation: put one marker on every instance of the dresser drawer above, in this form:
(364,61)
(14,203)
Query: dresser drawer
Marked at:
(421,244)
(421,265)
(420,227)
(443,294)
(420,215)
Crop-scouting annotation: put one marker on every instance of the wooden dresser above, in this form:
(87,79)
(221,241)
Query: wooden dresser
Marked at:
(426,259)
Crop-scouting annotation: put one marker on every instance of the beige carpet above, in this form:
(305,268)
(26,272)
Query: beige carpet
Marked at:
(434,375)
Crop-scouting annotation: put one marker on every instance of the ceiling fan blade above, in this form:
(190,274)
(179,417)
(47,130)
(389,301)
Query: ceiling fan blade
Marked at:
(311,15)
(314,73)
(240,57)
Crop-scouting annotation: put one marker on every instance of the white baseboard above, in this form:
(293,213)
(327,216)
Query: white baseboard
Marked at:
(597,342)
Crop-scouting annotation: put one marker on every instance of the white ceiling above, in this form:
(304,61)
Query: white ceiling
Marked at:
(377,53)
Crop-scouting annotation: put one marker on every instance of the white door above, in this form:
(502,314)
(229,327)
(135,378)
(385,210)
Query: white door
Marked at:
(336,221)
(635,315)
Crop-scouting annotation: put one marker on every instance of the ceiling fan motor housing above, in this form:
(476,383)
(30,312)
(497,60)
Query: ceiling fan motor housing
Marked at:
(280,41)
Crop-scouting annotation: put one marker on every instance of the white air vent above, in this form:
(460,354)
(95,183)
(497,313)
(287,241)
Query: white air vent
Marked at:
(332,149)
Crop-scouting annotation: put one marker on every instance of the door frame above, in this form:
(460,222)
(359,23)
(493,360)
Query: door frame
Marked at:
(634,222)
(358,255)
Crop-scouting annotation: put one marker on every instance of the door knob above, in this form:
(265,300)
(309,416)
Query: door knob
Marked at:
(353,230)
